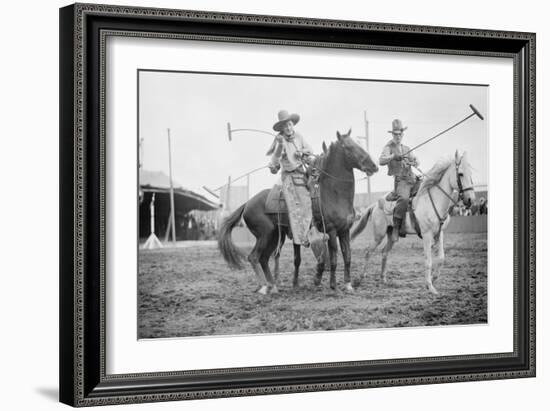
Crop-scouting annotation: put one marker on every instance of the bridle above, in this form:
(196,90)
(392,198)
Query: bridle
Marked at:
(317,168)
(461,189)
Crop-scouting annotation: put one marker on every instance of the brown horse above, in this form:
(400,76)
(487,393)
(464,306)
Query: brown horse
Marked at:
(335,216)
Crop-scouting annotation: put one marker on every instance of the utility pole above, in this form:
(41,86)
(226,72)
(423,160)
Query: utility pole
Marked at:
(141,152)
(172,209)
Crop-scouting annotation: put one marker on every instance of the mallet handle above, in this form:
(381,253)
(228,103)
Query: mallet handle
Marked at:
(475,113)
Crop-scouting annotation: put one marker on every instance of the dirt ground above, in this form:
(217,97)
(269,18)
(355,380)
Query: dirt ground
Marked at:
(191,292)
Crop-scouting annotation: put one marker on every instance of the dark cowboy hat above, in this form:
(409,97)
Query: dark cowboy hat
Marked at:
(283,118)
(397,126)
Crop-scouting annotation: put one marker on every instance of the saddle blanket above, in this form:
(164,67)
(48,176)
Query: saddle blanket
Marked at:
(275,202)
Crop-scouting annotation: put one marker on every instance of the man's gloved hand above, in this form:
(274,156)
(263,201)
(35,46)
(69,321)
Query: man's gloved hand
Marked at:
(274,168)
(309,159)
(397,157)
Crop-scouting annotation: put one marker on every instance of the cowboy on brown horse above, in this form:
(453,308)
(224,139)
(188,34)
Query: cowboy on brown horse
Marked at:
(292,153)
(399,161)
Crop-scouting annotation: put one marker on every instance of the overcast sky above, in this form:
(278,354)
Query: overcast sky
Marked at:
(197,107)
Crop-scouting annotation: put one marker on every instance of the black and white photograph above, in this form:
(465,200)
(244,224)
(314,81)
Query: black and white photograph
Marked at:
(285,204)
(284,199)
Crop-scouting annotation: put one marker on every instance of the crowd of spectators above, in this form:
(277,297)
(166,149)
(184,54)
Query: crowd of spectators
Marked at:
(479,207)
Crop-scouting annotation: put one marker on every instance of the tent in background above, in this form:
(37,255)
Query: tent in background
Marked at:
(184,201)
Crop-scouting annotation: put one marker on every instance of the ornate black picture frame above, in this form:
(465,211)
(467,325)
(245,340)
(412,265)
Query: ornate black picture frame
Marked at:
(83,30)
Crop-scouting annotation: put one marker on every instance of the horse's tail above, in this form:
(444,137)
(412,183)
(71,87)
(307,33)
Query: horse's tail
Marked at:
(360,226)
(232,255)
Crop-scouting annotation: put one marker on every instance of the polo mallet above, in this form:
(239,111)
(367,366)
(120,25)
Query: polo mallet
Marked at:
(475,113)
(213,191)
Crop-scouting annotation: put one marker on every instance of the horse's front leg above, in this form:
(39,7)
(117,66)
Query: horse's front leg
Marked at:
(320,255)
(346,255)
(297,262)
(428,241)
(333,253)
(440,258)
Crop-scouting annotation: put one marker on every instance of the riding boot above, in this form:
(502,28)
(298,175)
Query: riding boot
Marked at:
(396,228)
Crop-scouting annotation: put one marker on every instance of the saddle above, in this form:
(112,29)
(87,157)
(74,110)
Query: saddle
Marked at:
(387,205)
(275,202)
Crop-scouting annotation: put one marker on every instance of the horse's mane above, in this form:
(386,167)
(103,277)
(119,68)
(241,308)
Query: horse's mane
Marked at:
(320,159)
(434,176)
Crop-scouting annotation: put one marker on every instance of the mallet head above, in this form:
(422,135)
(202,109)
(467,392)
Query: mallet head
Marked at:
(476,111)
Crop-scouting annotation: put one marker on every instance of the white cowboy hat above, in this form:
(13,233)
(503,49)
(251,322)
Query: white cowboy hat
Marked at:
(397,126)
(283,118)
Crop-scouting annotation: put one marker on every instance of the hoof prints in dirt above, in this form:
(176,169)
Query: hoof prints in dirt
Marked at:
(191,292)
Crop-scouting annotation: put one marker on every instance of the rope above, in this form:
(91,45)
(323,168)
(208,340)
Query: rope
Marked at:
(323,222)
(279,245)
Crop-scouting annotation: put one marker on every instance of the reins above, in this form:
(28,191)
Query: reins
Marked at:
(459,182)
(319,168)
(461,192)
(350,180)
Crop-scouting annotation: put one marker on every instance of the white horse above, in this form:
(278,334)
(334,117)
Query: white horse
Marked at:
(430,206)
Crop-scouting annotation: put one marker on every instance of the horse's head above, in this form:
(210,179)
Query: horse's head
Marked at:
(462,180)
(356,156)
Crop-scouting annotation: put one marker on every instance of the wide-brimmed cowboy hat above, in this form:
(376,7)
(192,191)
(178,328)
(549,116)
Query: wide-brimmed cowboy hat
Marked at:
(397,126)
(283,118)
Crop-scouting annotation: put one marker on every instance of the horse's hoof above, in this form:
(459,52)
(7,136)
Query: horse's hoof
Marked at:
(295,284)
(349,288)
(317,281)
(263,290)
(432,290)
(333,285)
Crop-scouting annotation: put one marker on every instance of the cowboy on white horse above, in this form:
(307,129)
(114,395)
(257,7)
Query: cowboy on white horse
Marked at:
(399,161)
(291,151)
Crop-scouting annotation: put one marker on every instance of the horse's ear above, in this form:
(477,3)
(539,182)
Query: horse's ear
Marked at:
(324,147)
(457,157)
(338,136)
(349,132)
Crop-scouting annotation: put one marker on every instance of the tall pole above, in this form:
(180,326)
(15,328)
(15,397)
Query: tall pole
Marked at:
(141,152)
(367,147)
(172,209)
